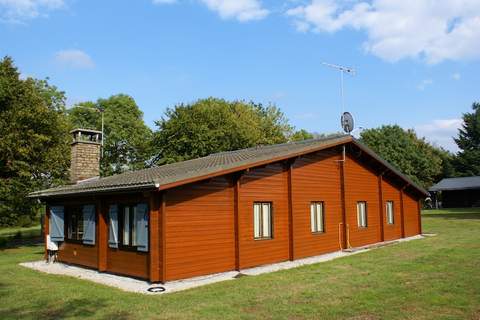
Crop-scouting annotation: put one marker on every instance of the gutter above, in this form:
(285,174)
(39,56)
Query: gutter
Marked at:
(112,189)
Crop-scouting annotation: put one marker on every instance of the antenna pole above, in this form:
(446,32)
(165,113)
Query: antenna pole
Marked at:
(341,90)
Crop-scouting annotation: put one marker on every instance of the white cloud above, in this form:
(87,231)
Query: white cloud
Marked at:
(17,11)
(441,132)
(242,10)
(456,76)
(424,84)
(396,29)
(74,58)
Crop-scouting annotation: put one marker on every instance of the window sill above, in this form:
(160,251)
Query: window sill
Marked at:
(318,233)
(79,242)
(263,239)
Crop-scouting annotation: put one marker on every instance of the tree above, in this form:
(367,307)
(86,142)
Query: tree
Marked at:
(415,157)
(301,134)
(214,125)
(467,161)
(34,144)
(127,144)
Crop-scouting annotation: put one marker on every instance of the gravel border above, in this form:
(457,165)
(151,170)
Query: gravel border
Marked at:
(139,286)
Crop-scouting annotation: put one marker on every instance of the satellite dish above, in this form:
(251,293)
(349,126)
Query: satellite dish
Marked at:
(347,122)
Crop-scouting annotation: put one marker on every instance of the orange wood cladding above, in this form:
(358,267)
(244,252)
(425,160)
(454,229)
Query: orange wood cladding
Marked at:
(267,184)
(199,229)
(78,253)
(316,178)
(132,263)
(411,215)
(361,184)
(390,193)
(207,227)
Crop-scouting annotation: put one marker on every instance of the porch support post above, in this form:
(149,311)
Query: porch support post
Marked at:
(102,236)
(154,237)
(46,229)
(163,237)
(342,198)
(402,212)
(419,205)
(236,208)
(291,253)
(381,207)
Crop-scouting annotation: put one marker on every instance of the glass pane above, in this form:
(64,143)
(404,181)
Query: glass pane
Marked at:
(256,220)
(134,226)
(126,226)
(266,220)
(312,218)
(320,217)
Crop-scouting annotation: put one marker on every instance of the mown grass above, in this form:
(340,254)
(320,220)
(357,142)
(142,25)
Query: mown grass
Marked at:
(432,278)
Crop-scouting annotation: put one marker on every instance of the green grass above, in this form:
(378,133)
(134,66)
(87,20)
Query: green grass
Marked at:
(432,278)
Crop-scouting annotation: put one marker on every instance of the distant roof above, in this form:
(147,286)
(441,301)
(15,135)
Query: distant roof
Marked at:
(457,184)
(175,174)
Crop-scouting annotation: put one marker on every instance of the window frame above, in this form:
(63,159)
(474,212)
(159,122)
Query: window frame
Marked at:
(121,227)
(261,204)
(314,228)
(387,213)
(79,222)
(366,215)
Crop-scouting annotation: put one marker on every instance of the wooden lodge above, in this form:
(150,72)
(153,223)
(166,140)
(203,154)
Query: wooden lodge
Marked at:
(231,210)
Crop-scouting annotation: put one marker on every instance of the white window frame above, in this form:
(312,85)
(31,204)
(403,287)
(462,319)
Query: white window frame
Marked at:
(362,215)
(317,217)
(262,220)
(390,212)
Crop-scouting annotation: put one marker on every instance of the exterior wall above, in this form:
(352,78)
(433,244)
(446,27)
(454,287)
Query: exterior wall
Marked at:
(85,161)
(78,253)
(199,229)
(410,209)
(316,178)
(361,184)
(391,193)
(132,263)
(268,184)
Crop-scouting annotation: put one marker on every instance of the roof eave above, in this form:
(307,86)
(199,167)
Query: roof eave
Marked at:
(116,189)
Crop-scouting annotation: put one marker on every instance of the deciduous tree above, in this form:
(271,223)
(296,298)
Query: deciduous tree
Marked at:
(212,125)
(34,141)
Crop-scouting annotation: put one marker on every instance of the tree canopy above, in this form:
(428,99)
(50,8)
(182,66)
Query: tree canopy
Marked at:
(212,125)
(415,157)
(34,144)
(127,141)
(467,161)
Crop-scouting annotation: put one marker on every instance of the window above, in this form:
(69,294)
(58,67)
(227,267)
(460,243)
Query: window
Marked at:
(316,217)
(262,220)
(362,214)
(75,223)
(390,215)
(128,226)
(132,224)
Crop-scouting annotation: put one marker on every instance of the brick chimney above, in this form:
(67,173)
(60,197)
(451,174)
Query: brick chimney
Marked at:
(86,148)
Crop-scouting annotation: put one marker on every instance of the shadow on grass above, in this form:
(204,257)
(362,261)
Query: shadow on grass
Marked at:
(74,308)
(454,216)
(17,243)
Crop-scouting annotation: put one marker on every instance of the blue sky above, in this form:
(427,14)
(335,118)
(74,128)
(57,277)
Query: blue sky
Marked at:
(417,62)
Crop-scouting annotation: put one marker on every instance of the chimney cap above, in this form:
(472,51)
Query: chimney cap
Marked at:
(85,131)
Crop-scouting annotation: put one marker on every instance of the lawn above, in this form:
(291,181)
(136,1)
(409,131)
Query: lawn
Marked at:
(433,278)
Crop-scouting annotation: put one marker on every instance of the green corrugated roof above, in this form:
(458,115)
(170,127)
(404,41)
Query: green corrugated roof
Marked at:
(195,169)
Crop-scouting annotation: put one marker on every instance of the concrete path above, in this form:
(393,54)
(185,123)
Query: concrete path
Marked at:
(139,286)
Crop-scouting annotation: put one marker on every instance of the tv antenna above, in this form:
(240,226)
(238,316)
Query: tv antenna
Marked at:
(342,70)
